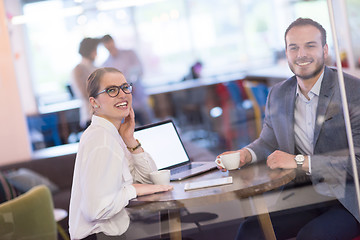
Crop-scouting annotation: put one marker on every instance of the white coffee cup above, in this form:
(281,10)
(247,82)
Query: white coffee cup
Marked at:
(161,177)
(229,161)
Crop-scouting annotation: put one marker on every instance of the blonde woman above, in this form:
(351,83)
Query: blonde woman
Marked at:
(111,167)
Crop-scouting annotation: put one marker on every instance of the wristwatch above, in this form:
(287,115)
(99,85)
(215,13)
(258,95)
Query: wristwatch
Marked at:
(132,149)
(299,159)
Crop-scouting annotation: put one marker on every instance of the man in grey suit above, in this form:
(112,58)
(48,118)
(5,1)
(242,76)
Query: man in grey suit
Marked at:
(304,128)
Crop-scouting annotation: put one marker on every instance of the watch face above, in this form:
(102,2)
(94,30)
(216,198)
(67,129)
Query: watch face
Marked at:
(299,159)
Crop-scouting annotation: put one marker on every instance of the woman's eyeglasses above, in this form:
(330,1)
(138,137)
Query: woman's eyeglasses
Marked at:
(113,91)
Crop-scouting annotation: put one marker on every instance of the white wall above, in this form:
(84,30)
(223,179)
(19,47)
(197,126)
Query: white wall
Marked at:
(14,143)
(18,45)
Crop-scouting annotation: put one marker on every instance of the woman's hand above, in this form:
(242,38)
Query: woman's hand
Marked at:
(145,189)
(127,128)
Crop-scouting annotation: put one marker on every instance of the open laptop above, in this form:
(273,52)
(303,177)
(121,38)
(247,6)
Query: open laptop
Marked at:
(162,141)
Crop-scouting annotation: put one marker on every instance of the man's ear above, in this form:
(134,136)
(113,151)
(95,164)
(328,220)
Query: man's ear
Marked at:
(326,51)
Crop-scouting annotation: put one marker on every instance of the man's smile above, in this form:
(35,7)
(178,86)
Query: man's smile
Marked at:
(303,62)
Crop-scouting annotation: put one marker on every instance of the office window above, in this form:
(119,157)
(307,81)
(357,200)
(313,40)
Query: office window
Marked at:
(169,37)
(165,43)
(50,45)
(54,38)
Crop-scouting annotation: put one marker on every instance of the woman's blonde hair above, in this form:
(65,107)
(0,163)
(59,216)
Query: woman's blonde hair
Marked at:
(93,82)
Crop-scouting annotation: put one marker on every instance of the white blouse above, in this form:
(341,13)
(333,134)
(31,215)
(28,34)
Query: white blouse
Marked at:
(102,184)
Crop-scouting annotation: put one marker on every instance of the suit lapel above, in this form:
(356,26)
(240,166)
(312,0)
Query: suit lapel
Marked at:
(326,93)
(289,108)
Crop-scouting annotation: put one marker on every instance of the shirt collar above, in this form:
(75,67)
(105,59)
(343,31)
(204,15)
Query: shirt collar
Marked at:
(315,90)
(100,121)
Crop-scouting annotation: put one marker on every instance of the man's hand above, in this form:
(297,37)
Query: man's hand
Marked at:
(280,159)
(245,157)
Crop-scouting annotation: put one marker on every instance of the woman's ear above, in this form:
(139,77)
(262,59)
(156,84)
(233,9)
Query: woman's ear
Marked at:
(93,102)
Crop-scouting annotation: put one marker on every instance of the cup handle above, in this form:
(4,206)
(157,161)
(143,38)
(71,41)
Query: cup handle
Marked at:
(219,162)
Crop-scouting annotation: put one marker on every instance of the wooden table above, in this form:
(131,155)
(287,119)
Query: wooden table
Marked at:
(247,182)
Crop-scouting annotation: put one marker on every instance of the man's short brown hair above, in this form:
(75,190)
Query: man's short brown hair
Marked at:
(307,21)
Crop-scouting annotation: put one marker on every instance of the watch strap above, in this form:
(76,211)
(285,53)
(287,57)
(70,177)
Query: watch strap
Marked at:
(132,149)
(299,159)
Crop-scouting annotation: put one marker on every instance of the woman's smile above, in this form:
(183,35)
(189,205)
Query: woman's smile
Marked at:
(122,105)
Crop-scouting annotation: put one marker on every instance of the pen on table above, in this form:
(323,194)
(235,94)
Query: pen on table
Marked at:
(287,196)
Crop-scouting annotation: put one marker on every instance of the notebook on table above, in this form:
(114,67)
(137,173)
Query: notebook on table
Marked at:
(162,141)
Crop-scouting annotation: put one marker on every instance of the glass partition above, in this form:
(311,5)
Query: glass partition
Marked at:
(169,37)
(225,110)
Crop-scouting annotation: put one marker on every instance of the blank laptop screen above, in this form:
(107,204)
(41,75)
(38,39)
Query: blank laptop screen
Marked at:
(163,143)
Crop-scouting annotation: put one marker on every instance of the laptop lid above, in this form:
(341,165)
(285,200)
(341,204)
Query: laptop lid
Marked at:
(162,141)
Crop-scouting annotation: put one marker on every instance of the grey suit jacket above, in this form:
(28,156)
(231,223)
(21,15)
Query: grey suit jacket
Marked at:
(330,161)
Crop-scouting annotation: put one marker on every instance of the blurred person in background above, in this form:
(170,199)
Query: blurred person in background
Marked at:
(129,64)
(195,71)
(80,74)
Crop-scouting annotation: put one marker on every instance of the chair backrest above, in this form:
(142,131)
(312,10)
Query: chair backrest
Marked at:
(235,92)
(29,216)
(47,125)
(257,93)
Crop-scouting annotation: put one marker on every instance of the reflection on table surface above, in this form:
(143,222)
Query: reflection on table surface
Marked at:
(231,203)
(247,181)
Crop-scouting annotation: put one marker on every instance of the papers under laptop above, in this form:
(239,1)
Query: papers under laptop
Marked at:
(162,141)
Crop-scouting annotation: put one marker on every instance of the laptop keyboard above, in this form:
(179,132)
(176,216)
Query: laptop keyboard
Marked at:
(185,168)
